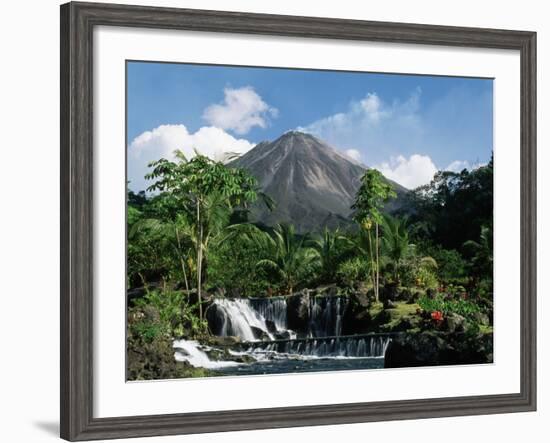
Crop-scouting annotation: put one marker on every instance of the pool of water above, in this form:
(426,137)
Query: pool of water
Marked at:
(282,366)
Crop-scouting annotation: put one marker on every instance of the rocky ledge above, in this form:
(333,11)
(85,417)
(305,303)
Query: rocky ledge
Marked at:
(434,348)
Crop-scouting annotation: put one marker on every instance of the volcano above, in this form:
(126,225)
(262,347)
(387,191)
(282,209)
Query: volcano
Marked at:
(312,183)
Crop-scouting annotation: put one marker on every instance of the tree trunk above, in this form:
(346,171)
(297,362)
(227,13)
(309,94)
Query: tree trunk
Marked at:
(377,265)
(182,262)
(373,271)
(199,258)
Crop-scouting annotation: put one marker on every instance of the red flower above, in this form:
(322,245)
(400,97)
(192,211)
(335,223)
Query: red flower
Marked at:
(437,316)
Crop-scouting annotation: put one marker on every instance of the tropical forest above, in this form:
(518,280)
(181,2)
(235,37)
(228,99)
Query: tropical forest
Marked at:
(305,262)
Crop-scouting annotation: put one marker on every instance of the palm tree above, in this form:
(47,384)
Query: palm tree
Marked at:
(398,249)
(395,242)
(329,246)
(482,252)
(286,254)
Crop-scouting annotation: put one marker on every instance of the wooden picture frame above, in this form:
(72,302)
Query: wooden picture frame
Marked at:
(77,23)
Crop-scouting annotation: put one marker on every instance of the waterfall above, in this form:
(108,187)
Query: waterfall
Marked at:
(253,319)
(191,352)
(272,310)
(261,324)
(241,320)
(325,316)
(332,347)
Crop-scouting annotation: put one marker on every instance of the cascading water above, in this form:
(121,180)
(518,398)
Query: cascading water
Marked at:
(373,346)
(261,324)
(250,319)
(239,319)
(325,316)
(191,352)
(272,310)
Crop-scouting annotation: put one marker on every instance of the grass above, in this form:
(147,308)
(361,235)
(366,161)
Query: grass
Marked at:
(485,329)
(388,319)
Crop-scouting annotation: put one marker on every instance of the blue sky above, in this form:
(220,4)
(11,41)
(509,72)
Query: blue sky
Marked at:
(407,126)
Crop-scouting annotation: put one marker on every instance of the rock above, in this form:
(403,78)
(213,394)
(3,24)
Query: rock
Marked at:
(298,311)
(216,318)
(431,348)
(283,335)
(362,296)
(151,314)
(388,292)
(481,318)
(152,359)
(404,294)
(406,324)
(454,323)
(259,334)
(271,326)
(357,318)
(215,340)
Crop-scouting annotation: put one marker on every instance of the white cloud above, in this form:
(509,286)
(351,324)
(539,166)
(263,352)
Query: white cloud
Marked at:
(458,165)
(241,110)
(162,141)
(415,171)
(353,154)
(371,123)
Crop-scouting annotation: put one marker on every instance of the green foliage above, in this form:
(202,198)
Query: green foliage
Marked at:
(452,208)
(232,266)
(147,330)
(173,315)
(331,247)
(353,270)
(395,243)
(150,251)
(288,256)
(373,193)
(451,265)
(204,192)
(481,253)
(459,306)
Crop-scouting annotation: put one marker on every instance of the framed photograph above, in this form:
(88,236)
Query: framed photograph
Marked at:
(272,221)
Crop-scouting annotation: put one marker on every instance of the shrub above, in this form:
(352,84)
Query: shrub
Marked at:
(176,317)
(353,270)
(462,307)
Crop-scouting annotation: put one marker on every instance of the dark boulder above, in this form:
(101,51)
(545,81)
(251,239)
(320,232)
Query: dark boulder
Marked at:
(454,323)
(431,348)
(216,319)
(271,326)
(259,334)
(389,292)
(356,317)
(283,335)
(298,311)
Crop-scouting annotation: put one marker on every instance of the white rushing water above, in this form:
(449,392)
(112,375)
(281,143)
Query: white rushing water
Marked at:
(239,319)
(263,324)
(189,351)
(346,347)
(250,318)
